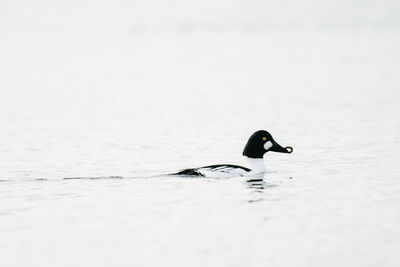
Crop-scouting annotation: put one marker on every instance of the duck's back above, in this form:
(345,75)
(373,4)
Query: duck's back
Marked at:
(218,170)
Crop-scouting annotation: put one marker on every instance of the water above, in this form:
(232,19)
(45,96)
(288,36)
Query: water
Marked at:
(94,111)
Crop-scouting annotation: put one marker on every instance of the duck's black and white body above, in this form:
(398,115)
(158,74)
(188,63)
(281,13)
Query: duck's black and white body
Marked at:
(258,144)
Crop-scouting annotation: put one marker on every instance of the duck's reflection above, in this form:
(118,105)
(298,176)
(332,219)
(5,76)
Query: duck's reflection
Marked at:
(257,188)
(256,183)
(259,184)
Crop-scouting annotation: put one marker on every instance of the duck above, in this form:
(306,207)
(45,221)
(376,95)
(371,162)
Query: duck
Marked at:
(258,144)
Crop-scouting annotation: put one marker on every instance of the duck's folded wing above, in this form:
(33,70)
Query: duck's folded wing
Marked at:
(215,170)
(190,172)
(228,168)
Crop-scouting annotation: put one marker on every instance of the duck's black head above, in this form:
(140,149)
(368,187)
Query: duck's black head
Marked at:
(260,143)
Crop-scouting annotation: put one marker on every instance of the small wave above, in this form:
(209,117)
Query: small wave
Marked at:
(93,178)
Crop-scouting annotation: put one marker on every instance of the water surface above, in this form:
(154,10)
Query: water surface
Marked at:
(94,112)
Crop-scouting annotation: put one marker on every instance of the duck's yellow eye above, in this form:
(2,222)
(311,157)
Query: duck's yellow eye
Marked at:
(264,138)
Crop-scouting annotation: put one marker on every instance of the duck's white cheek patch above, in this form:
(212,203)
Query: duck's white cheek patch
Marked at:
(267,145)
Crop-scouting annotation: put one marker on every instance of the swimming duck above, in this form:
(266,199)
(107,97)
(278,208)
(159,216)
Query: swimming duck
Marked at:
(258,144)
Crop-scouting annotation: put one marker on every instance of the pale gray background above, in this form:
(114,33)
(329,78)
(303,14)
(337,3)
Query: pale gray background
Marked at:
(136,89)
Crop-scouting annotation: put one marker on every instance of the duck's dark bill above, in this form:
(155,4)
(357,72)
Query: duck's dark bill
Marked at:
(278,148)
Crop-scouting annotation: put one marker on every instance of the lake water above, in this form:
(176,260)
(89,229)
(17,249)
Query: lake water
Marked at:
(99,100)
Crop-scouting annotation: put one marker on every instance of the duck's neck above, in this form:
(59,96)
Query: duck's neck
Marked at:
(255,164)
